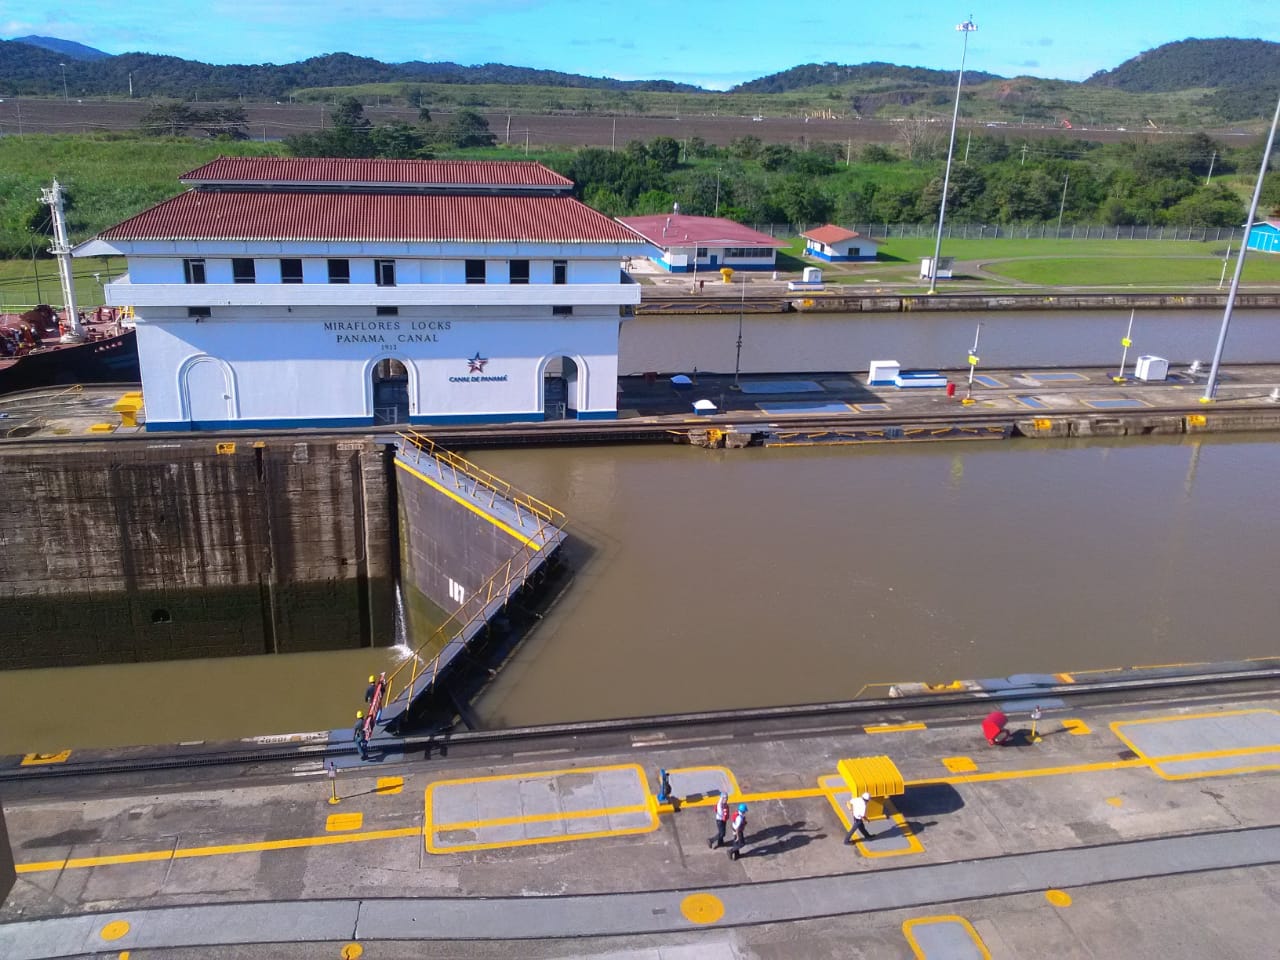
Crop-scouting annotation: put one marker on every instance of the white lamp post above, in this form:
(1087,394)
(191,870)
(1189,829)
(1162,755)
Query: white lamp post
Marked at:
(966,28)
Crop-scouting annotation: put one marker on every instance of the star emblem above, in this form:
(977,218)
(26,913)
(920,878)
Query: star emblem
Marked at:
(476,364)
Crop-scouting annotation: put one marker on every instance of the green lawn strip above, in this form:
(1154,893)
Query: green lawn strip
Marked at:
(19,290)
(913,248)
(1123,271)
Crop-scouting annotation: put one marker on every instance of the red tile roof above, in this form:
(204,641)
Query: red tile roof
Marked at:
(335,170)
(830,234)
(216,215)
(675,230)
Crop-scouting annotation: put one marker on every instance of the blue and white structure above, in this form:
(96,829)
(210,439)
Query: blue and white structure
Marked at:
(280,292)
(1265,236)
(687,244)
(838,245)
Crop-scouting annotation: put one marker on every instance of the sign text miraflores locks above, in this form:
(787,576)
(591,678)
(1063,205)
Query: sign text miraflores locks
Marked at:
(387,332)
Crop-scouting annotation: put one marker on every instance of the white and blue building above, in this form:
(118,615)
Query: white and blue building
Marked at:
(838,245)
(1265,236)
(686,244)
(283,292)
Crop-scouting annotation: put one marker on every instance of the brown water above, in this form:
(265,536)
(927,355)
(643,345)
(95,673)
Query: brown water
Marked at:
(708,579)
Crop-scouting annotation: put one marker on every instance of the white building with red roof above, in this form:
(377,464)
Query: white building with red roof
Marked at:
(838,245)
(279,292)
(689,244)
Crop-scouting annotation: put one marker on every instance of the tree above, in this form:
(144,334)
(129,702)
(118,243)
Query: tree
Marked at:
(802,201)
(398,140)
(919,139)
(665,153)
(168,118)
(1211,206)
(466,129)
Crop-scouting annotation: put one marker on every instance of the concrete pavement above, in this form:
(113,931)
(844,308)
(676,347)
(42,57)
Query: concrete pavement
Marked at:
(1159,818)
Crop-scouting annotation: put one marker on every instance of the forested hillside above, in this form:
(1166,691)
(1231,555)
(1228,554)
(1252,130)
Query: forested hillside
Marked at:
(1186,64)
(834,75)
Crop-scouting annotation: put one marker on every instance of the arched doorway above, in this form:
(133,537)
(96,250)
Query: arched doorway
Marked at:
(390,392)
(560,389)
(207,390)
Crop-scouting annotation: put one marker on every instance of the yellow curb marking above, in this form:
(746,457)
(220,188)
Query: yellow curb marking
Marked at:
(389,785)
(344,821)
(1076,727)
(1266,753)
(835,785)
(959,764)
(114,930)
(351,951)
(37,759)
(1059,898)
(189,853)
(908,931)
(894,727)
(702,908)
(1114,801)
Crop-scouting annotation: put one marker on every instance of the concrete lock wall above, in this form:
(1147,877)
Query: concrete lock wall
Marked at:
(127,551)
(8,875)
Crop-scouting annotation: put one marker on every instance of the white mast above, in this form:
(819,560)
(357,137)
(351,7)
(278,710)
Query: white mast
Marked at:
(60,247)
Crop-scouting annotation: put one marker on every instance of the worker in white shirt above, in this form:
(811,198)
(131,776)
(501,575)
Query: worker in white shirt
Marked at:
(858,816)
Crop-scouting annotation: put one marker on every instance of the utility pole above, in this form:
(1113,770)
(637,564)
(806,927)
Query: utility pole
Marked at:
(1024,155)
(1211,161)
(1063,205)
(508,129)
(848,151)
(613,137)
(966,28)
(63,67)
(967,140)
(131,86)
(1211,388)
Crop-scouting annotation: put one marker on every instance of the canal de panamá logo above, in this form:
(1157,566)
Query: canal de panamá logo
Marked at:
(475,369)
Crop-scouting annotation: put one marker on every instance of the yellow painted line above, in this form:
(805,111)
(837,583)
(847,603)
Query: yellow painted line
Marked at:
(893,727)
(191,853)
(1174,717)
(802,794)
(344,821)
(533,841)
(908,931)
(533,544)
(540,818)
(389,785)
(959,764)
(1027,774)
(539,775)
(1076,727)
(1065,678)
(38,759)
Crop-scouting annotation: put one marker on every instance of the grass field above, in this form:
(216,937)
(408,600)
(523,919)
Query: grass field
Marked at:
(1121,271)
(20,291)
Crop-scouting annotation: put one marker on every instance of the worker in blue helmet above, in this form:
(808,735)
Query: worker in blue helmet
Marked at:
(739,828)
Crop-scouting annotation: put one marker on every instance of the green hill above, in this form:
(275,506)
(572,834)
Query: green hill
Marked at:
(1189,64)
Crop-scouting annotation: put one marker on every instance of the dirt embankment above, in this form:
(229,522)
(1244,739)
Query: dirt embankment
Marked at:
(274,121)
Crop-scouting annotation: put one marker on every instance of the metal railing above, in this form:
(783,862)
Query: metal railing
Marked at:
(453,469)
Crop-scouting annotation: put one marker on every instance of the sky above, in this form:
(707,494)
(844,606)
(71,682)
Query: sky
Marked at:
(714,44)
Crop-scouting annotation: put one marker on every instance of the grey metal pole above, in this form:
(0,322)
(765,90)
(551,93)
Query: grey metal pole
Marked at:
(737,360)
(966,28)
(1211,387)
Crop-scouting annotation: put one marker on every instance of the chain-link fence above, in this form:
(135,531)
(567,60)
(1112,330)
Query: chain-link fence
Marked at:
(983,231)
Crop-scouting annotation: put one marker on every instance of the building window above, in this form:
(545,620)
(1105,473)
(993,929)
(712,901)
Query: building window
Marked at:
(519,271)
(701,253)
(199,312)
(193,271)
(562,311)
(339,271)
(384,273)
(242,270)
(291,270)
(752,253)
(559,271)
(855,252)
(386,311)
(475,271)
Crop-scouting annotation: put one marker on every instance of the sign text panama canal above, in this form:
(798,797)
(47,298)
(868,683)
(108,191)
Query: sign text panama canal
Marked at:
(388,333)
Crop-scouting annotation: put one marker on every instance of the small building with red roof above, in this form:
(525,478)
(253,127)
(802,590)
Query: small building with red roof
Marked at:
(313,292)
(838,245)
(689,244)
